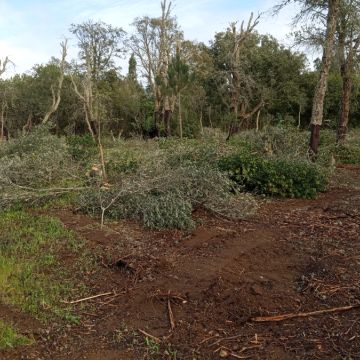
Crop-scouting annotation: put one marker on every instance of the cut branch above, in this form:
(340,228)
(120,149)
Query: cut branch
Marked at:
(302,315)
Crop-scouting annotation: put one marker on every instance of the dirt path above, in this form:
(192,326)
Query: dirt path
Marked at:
(293,256)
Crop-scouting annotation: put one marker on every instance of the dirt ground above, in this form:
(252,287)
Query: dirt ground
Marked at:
(294,256)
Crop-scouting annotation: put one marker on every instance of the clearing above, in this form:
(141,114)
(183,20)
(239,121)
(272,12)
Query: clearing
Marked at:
(293,256)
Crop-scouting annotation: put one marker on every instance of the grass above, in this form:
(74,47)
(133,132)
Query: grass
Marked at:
(31,277)
(10,338)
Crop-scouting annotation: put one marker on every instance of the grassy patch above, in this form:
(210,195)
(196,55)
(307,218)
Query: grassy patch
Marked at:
(10,338)
(31,277)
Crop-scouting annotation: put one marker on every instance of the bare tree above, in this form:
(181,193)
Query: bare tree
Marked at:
(153,42)
(238,106)
(99,44)
(56,93)
(3,65)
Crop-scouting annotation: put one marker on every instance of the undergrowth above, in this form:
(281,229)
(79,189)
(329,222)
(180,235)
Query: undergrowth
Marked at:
(10,338)
(31,277)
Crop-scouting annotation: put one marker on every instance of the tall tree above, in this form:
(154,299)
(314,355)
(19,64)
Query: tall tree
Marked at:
(321,87)
(179,78)
(153,42)
(239,107)
(324,12)
(348,30)
(99,45)
(4,102)
(56,90)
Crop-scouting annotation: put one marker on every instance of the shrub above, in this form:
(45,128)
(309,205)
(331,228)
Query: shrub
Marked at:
(284,141)
(275,176)
(348,154)
(81,148)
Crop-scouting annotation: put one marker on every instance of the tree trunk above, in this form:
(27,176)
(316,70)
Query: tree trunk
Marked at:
(167,122)
(345,105)
(258,120)
(299,117)
(2,124)
(321,87)
(180,117)
(201,123)
(167,115)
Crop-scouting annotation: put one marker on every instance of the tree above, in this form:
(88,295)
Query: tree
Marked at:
(179,78)
(348,30)
(4,103)
(56,93)
(234,75)
(239,107)
(153,43)
(319,10)
(99,44)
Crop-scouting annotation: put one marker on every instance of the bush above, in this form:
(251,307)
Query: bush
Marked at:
(348,154)
(275,176)
(81,148)
(282,141)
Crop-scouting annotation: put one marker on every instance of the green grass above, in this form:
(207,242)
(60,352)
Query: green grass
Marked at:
(31,277)
(10,338)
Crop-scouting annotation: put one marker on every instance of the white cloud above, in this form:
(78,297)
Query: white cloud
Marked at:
(30,34)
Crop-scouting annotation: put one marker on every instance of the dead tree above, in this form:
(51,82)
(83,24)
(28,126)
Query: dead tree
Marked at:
(238,107)
(56,92)
(4,64)
(153,43)
(92,112)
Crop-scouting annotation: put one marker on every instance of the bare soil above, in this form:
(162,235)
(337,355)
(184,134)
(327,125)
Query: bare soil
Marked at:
(293,256)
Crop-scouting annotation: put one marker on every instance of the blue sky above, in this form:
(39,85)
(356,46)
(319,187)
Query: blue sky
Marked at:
(31,30)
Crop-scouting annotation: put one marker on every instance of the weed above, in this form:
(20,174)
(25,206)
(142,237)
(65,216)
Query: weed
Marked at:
(29,270)
(10,338)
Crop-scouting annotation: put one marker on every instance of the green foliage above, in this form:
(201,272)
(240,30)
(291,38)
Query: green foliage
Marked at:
(273,140)
(9,338)
(348,154)
(166,197)
(35,159)
(275,176)
(81,148)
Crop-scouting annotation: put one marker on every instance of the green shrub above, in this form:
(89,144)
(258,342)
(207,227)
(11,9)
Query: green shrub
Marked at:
(275,176)
(125,164)
(81,148)
(348,154)
(277,140)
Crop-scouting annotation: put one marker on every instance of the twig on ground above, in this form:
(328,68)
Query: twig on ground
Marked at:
(149,336)
(301,315)
(89,298)
(171,314)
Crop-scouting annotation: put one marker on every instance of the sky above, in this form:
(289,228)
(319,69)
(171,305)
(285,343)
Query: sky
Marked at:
(31,30)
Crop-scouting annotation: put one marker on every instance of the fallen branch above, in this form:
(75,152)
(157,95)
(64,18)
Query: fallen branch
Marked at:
(171,314)
(150,336)
(302,315)
(89,298)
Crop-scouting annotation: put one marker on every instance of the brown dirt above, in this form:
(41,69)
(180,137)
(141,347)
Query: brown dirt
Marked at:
(293,256)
